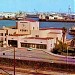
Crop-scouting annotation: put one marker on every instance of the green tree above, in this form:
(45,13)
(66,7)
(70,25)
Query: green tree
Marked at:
(59,48)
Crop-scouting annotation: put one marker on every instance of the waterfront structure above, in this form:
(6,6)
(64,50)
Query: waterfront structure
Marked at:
(51,16)
(7,14)
(28,34)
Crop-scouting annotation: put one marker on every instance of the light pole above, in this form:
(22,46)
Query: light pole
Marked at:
(14,57)
(67,58)
(14,60)
(67,55)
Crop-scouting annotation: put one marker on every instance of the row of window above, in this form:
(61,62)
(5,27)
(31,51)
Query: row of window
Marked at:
(1,34)
(38,46)
(1,39)
(23,30)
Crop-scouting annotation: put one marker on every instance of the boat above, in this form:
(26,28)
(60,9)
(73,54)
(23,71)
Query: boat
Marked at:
(72,31)
(32,16)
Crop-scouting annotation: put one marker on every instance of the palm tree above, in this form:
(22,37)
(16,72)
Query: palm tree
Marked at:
(59,48)
(64,31)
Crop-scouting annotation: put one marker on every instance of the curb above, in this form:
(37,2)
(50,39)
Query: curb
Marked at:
(57,54)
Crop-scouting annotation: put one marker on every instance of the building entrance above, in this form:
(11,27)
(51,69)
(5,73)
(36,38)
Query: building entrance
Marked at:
(12,43)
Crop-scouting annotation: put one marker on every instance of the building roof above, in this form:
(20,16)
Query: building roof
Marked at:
(50,28)
(39,38)
(31,20)
(53,33)
(16,34)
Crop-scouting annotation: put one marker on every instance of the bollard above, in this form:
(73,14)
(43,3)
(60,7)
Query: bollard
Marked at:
(3,53)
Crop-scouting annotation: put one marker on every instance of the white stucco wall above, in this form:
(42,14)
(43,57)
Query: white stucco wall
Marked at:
(23,27)
(48,42)
(3,32)
(34,25)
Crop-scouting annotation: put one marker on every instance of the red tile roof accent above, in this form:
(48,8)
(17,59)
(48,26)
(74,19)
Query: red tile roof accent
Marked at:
(50,28)
(31,20)
(53,33)
(39,38)
(16,34)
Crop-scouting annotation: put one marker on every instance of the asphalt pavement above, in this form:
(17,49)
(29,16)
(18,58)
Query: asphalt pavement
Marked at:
(35,55)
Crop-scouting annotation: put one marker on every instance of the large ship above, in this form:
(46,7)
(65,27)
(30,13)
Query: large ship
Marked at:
(56,18)
(32,16)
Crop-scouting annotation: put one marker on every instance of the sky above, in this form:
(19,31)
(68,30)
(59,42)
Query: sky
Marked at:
(36,5)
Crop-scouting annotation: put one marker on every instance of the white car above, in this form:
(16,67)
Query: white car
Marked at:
(29,49)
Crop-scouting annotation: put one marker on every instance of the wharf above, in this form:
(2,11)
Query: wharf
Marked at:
(57,20)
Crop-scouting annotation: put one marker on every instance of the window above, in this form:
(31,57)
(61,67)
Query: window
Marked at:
(41,46)
(38,46)
(1,34)
(5,39)
(33,28)
(36,35)
(22,30)
(5,34)
(25,30)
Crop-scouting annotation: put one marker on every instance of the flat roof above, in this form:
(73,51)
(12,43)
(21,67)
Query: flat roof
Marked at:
(39,38)
(53,33)
(27,19)
(16,34)
(50,28)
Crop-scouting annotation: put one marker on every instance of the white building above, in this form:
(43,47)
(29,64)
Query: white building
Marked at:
(8,14)
(27,34)
(42,16)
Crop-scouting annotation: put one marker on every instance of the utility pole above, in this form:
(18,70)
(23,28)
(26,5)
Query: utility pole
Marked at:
(67,59)
(14,60)
(14,57)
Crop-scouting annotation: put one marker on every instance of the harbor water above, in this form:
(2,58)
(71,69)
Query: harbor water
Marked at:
(42,24)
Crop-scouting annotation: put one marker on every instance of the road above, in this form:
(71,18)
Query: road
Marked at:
(35,55)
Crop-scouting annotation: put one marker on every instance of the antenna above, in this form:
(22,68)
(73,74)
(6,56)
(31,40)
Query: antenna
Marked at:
(69,11)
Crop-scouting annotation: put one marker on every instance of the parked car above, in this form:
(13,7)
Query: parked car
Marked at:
(29,49)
